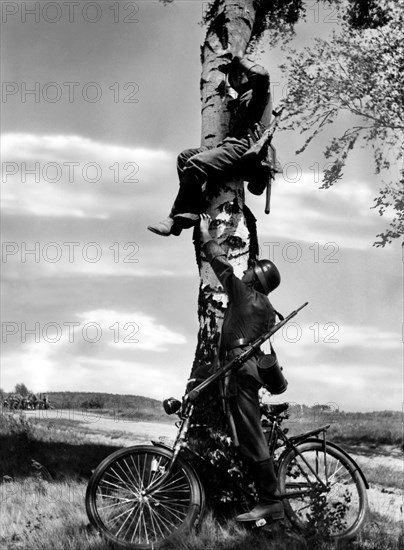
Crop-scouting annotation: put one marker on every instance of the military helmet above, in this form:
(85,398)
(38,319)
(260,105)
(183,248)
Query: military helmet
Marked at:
(268,275)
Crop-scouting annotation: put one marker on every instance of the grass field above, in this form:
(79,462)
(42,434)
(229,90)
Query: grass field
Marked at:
(50,515)
(45,466)
(370,429)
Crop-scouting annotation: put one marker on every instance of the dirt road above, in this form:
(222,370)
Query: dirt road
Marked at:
(91,420)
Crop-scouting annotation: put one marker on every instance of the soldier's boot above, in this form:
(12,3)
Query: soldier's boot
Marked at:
(190,201)
(185,211)
(165,228)
(269,506)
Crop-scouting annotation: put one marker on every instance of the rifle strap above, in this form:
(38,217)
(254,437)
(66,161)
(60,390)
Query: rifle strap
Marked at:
(281,317)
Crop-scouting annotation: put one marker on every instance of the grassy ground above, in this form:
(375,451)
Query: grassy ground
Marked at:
(371,429)
(376,535)
(385,477)
(44,471)
(59,454)
(57,521)
(364,435)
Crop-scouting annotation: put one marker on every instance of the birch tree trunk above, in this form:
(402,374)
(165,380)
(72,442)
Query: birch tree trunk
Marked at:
(234,225)
(234,228)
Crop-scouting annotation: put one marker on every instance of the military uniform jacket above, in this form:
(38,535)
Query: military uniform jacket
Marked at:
(249,313)
(254,103)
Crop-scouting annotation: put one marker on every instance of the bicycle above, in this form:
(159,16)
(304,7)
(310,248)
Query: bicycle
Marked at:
(139,497)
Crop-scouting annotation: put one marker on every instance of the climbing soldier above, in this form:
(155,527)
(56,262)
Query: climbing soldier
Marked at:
(249,314)
(195,167)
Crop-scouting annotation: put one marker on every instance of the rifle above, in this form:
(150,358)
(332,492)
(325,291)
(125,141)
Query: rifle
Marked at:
(235,363)
(255,160)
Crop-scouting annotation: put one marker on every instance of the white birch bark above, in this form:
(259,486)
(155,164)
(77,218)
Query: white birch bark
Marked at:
(232,28)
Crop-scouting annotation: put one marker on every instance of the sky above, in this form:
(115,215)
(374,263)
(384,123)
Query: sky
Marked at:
(98,99)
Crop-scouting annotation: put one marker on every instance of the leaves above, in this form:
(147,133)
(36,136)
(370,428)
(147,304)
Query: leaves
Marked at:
(226,477)
(360,72)
(391,196)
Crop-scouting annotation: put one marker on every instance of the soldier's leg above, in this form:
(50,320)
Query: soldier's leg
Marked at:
(195,167)
(247,417)
(218,162)
(188,193)
(189,197)
(184,156)
(211,164)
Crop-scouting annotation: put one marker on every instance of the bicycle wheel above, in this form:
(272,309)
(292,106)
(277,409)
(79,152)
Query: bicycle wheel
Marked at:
(340,506)
(117,507)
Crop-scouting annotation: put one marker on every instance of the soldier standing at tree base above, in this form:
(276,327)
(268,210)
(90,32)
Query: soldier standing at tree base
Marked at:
(249,314)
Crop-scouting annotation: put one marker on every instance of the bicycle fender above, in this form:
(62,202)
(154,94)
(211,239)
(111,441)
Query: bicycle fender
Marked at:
(159,444)
(334,446)
(344,452)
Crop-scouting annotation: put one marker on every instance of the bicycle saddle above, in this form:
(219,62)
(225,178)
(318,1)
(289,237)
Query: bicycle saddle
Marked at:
(275,408)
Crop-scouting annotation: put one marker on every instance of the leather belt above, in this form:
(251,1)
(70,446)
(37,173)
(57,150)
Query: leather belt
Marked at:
(239,343)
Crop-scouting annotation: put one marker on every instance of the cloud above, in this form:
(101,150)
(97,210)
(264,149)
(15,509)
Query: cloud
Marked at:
(303,212)
(347,364)
(41,367)
(79,226)
(76,177)
(351,386)
(340,337)
(127,377)
(61,259)
(107,350)
(112,215)
(34,362)
(369,338)
(134,328)
(115,366)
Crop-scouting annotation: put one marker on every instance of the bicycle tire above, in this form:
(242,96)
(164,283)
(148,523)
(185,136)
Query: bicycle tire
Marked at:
(346,489)
(116,507)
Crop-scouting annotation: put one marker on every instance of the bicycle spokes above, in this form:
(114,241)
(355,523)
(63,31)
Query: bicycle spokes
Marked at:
(128,513)
(323,486)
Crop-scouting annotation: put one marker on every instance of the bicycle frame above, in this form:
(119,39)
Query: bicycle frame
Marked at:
(179,443)
(293,443)
(277,432)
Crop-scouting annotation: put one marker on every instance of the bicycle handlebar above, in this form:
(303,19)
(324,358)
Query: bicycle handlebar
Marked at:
(194,394)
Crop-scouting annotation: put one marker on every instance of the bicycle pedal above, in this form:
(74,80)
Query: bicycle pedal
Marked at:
(260,523)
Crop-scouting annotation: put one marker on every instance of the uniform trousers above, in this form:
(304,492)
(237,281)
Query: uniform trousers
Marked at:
(197,166)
